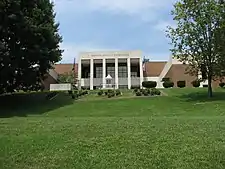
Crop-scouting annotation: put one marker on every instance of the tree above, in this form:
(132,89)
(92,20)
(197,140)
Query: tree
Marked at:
(29,43)
(199,37)
(69,77)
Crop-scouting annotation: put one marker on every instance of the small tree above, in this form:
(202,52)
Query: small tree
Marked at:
(149,84)
(199,37)
(69,77)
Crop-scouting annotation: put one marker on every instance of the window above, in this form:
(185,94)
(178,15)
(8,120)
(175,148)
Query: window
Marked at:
(111,71)
(122,71)
(134,74)
(98,72)
(108,81)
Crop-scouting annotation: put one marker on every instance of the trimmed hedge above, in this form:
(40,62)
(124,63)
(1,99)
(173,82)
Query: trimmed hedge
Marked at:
(168,84)
(149,84)
(181,84)
(148,92)
(222,84)
(195,83)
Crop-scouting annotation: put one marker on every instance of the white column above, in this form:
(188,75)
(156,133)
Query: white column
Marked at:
(91,73)
(129,74)
(116,74)
(141,72)
(103,72)
(79,74)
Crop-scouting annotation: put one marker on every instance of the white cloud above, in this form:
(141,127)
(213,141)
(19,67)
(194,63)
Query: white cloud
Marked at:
(141,8)
(145,10)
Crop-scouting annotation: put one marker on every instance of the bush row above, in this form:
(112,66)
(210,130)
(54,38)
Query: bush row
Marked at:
(77,93)
(109,93)
(180,84)
(147,92)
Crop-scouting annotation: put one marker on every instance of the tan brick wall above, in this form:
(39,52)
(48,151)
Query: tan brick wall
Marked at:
(153,69)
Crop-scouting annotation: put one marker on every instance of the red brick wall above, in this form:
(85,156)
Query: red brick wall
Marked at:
(178,72)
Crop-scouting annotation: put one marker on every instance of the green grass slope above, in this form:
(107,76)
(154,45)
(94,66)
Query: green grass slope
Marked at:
(180,131)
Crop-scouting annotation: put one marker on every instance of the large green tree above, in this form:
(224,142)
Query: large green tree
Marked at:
(29,43)
(198,37)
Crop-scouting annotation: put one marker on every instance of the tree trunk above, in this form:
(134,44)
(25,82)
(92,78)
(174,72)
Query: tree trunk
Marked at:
(210,93)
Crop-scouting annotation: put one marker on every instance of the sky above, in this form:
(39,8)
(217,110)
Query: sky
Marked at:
(103,25)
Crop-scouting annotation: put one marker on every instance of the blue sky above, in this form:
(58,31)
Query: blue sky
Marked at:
(99,25)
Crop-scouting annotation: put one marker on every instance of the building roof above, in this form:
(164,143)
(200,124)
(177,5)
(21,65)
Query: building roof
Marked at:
(65,68)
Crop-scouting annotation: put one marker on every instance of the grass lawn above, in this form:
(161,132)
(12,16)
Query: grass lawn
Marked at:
(180,131)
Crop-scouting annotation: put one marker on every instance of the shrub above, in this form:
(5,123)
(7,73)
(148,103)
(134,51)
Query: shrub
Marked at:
(155,91)
(222,84)
(138,93)
(70,92)
(146,92)
(205,85)
(149,84)
(135,90)
(106,93)
(168,84)
(100,92)
(142,90)
(111,94)
(85,92)
(118,92)
(110,91)
(73,96)
(181,84)
(80,93)
(196,83)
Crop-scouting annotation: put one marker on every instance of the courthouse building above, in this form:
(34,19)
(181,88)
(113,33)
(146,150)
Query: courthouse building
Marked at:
(124,69)
(110,69)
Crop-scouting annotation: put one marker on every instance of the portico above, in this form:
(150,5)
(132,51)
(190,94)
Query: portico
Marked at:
(124,68)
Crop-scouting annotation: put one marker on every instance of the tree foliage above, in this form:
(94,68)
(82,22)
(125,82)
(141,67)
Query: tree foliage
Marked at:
(29,43)
(198,38)
(69,77)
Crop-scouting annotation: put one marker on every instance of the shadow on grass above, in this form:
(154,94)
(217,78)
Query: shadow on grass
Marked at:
(25,104)
(202,96)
